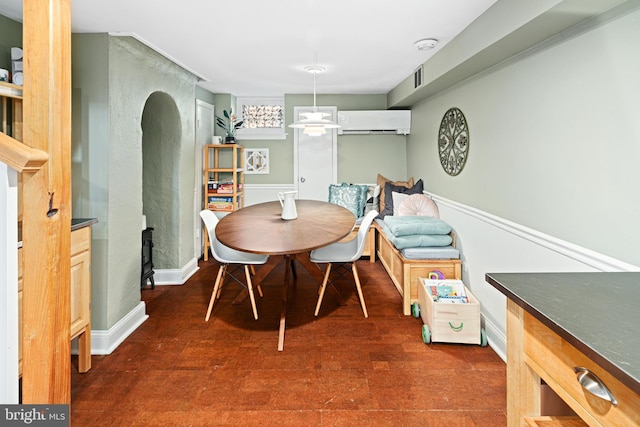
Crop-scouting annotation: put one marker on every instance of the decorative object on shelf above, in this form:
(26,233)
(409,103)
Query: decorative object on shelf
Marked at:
(256,160)
(17,66)
(229,125)
(314,122)
(453,141)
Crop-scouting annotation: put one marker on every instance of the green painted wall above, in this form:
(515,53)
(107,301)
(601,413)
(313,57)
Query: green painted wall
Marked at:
(10,36)
(360,157)
(205,95)
(113,78)
(90,157)
(554,137)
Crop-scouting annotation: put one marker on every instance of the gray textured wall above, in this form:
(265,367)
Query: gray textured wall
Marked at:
(113,79)
(360,157)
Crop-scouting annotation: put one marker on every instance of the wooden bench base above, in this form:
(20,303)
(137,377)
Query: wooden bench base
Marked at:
(405,272)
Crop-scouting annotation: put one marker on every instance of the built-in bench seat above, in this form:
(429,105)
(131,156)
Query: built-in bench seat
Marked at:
(406,266)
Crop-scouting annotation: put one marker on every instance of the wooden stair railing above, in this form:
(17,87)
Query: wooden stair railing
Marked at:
(13,152)
(19,156)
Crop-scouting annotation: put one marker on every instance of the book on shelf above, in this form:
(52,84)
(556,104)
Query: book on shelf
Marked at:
(220,203)
(228,187)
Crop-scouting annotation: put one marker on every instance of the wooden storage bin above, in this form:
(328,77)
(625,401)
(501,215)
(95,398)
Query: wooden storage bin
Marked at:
(405,273)
(448,322)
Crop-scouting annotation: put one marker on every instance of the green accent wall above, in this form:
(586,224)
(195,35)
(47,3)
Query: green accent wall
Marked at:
(554,137)
(115,80)
(360,157)
(10,36)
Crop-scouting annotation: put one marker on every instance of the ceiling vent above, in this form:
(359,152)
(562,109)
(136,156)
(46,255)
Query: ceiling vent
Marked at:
(417,77)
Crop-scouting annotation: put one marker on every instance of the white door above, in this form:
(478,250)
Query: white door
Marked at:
(316,159)
(204,136)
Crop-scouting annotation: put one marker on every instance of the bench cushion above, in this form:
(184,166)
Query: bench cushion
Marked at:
(442,252)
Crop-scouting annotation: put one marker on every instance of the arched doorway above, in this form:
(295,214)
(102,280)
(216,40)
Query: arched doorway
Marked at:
(161,136)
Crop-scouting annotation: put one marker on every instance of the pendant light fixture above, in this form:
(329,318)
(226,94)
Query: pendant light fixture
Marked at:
(314,122)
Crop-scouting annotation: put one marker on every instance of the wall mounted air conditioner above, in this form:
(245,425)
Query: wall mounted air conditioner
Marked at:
(396,122)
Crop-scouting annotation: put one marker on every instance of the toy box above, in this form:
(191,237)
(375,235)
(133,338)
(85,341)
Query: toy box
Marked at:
(450,312)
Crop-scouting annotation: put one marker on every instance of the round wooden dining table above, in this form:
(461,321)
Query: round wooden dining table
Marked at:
(260,229)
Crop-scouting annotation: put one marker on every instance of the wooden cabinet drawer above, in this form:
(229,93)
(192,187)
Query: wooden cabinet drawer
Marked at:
(544,348)
(555,422)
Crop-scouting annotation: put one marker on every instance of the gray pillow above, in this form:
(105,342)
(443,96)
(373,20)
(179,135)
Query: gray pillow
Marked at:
(389,188)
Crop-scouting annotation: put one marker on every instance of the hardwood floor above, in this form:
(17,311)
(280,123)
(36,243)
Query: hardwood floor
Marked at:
(338,369)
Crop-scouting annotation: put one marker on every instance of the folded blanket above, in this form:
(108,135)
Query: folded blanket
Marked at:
(419,240)
(416,225)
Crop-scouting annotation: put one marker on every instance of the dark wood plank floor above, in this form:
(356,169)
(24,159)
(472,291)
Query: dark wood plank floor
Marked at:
(338,369)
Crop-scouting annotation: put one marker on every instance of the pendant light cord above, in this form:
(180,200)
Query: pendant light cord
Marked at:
(314,93)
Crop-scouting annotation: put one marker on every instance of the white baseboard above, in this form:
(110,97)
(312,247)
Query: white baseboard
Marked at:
(496,338)
(176,276)
(105,342)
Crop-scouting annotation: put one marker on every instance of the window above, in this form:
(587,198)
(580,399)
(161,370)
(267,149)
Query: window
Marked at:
(263,118)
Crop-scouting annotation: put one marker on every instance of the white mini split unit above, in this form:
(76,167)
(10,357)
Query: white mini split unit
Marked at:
(395,122)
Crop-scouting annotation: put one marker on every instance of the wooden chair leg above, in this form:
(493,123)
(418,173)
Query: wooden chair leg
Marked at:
(214,294)
(357,280)
(251,296)
(253,273)
(323,288)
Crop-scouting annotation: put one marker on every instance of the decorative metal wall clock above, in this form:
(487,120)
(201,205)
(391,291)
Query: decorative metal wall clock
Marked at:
(453,141)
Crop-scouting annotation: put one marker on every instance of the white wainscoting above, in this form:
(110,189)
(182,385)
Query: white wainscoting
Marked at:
(258,193)
(489,244)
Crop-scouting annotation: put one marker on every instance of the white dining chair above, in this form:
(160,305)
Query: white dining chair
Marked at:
(227,256)
(344,253)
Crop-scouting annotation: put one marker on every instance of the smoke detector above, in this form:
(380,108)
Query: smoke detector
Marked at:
(426,44)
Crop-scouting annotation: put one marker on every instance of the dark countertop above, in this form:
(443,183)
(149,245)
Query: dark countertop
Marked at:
(599,313)
(76,224)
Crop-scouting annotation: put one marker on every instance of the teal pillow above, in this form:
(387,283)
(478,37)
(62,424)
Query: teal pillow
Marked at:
(352,197)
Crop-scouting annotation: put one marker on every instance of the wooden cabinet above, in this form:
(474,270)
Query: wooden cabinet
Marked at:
(223,180)
(575,334)
(555,360)
(80,297)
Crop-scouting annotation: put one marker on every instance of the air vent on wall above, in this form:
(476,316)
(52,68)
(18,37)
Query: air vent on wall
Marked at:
(417,77)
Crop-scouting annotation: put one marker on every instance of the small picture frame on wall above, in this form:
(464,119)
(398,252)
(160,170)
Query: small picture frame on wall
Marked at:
(256,160)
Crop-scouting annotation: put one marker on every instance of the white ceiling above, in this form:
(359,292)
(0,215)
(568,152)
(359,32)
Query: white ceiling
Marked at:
(260,48)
